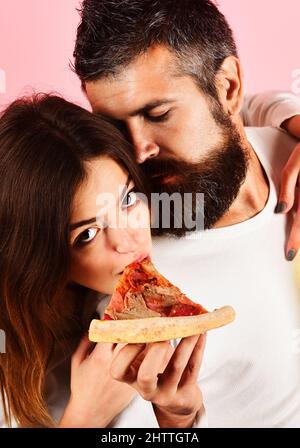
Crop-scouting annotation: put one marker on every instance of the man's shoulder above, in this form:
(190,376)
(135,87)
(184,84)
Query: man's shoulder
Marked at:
(273,145)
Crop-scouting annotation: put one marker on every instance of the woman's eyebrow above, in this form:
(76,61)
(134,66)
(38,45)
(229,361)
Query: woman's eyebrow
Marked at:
(85,222)
(82,223)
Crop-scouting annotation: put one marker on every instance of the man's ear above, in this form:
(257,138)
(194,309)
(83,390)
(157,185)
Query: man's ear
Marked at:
(230,85)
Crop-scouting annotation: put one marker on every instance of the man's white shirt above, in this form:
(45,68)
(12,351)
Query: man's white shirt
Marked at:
(250,375)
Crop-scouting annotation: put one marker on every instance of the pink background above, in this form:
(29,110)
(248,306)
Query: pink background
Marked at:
(37,39)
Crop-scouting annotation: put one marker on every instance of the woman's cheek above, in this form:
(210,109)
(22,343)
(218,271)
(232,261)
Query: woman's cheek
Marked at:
(140,222)
(145,229)
(97,269)
(89,269)
(139,217)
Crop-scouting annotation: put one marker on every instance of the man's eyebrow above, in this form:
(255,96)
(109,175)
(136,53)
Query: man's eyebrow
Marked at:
(141,110)
(149,106)
(85,222)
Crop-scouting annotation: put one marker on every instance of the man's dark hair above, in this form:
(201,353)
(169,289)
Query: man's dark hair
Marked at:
(112,33)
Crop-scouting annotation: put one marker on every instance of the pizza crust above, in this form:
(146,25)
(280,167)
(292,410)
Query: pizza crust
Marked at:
(155,329)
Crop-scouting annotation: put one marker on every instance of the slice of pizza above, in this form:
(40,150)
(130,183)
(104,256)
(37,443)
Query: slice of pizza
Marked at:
(146,307)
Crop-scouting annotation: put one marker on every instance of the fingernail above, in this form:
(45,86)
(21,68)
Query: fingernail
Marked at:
(281,207)
(291,255)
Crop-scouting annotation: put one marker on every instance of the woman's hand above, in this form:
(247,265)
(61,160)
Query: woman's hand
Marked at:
(96,398)
(166,377)
(289,198)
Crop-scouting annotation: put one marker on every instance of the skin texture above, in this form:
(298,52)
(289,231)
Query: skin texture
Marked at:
(150,78)
(160,374)
(176,398)
(171,385)
(189,132)
(97,264)
(94,389)
(292,125)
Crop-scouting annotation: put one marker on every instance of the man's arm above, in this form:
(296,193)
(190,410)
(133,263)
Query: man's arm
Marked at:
(277,109)
(292,126)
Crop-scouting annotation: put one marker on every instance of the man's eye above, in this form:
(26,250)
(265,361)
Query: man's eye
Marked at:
(130,199)
(86,237)
(158,118)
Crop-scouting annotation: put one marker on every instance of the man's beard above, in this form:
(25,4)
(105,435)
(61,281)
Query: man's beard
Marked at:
(219,177)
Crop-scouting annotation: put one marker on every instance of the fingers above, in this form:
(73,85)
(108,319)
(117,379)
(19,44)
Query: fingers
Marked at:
(117,348)
(179,361)
(102,348)
(166,360)
(102,351)
(153,364)
(288,196)
(146,376)
(120,367)
(140,367)
(289,179)
(294,237)
(83,350)
(192,369)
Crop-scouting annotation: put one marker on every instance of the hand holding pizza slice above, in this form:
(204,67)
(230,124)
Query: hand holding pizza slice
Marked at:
(168,377)
(146,307)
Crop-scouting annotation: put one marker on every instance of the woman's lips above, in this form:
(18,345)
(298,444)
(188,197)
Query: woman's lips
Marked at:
(136,260)
(140,258)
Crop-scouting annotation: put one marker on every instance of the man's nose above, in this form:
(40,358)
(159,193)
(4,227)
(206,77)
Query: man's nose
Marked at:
(144,146)
(121,240)
(145,151)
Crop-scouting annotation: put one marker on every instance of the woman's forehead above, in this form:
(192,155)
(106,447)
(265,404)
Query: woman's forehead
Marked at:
(105,178)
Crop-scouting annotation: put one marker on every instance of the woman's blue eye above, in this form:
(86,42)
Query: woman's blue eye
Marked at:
(87,236)
(130,199)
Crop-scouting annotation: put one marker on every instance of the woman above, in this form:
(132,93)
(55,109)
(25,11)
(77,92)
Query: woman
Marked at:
(60,247)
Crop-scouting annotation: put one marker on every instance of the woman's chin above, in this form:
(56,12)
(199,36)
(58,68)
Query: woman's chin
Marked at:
(113,285)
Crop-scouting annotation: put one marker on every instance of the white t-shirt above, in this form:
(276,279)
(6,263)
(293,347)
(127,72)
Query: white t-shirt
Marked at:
(231,380)
(250,375)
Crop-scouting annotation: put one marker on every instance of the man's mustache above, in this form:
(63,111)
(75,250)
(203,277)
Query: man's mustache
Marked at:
(156,168)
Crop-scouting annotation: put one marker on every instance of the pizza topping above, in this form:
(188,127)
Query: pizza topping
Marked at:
(116,301)
(135,309)
(169,301)
(182,309)
(153,301)
(139,277)
(159,299)
(143,292)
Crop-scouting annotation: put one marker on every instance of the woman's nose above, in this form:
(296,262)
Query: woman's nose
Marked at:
(122,240)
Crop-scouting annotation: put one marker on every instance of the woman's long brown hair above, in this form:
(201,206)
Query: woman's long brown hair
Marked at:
(44,144)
